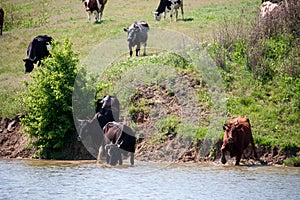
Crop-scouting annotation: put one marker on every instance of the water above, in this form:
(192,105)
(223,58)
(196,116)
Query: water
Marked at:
(27,179)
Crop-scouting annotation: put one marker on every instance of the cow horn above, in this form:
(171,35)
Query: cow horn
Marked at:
(118,145)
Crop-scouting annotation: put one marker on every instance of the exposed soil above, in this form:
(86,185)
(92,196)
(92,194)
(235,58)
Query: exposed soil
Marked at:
(14,143)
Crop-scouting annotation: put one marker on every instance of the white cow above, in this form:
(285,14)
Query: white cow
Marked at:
(137,34)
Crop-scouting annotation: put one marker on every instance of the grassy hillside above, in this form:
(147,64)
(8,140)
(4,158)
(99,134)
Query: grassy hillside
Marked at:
(274,116)
(61,19)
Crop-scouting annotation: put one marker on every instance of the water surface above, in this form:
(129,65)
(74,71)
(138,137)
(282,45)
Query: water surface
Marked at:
(34,179)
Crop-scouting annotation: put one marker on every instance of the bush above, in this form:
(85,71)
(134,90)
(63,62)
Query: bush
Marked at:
(48,101)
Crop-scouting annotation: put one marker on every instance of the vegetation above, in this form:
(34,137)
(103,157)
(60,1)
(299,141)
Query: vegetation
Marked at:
(48,101)
(259,64)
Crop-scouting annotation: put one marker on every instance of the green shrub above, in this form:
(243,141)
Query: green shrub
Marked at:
(292,162)
(48,101)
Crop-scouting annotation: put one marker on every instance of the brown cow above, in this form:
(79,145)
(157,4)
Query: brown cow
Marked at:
(237,137)
(118,139)
(1,20)
(94,5)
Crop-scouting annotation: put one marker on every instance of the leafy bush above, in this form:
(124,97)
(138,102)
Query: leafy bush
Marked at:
(48,102)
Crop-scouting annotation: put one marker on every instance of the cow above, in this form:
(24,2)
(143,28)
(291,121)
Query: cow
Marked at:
(91,130)
(237,137)
(1,20)
(267,8)
(137,34)
(168,6)
(37,50)
(109,107)
(94,5)
(119,139)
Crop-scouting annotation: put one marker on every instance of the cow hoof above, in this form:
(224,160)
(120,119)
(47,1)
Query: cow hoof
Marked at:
(223,160)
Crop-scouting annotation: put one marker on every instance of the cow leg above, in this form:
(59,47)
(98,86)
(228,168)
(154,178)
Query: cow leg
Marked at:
(100,152)
(131,158)
(130,50)
(182,14)
(145,45)
(97,16)
(137,50)
(171,15)
(89,15)
(176,14)
(120,160)
(238,157)
(223,159)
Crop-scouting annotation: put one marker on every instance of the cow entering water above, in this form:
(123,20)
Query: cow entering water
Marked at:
(137,34)
(119,140)
(237,137)
(103,137)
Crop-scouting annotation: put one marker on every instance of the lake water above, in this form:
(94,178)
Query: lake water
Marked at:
(39,179)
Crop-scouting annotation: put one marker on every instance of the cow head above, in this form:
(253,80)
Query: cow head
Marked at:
(86,4)
(114,153)
(157,15)
(28,65)
(231,132)
(131,32)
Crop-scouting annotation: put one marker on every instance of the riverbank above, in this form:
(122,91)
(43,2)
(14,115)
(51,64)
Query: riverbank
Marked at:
(14,144)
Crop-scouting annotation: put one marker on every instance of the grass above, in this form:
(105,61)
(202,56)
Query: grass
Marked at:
(272,116)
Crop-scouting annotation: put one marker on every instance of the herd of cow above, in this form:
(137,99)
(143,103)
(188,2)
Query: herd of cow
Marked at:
(104,132)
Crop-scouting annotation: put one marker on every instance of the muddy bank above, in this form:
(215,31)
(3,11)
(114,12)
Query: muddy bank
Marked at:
(14,144)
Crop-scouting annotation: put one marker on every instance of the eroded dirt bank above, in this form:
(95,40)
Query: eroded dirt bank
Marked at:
(14,144)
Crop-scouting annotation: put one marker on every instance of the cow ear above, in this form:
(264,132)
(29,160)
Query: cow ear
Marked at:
(225,127)
(125,29)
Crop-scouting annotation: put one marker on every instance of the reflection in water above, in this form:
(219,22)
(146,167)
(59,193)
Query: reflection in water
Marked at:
(26,179)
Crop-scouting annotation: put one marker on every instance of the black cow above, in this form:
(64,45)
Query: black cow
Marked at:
(168,6)
(109,107)
(118,140)
(1,20)
(37,50)
(94,6)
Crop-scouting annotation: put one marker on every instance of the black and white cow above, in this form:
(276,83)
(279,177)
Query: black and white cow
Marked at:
(37,49)
(94,5)
(137,34)
(1,20)
(168,6)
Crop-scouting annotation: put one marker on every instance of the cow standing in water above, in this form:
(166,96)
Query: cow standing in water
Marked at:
(137,34)
(237,137)
(37,50)
(168,6)
(96,6)
(1,20)
(118,140)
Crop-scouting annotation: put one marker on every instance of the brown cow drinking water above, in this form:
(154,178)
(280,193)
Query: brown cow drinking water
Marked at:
(237,137)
